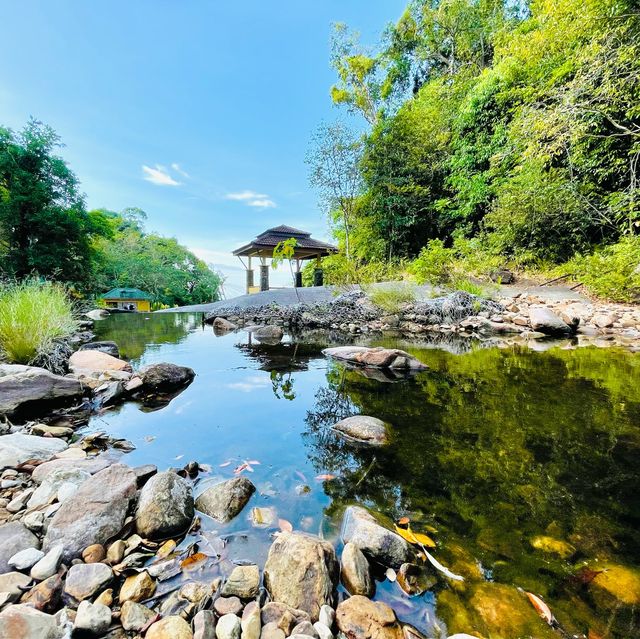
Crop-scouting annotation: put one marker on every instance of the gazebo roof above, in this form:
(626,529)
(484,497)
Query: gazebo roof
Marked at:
(126,293)
(306,247)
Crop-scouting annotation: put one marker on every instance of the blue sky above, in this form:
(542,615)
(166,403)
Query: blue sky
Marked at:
(198,112)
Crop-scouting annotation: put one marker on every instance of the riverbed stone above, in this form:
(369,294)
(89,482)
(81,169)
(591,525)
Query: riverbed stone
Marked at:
(274,611)
(375,357)
(373,539)
(546,321)
(85,580)
(360,618)
(165,377)
(93,554)
(227,606)
(243,582)
(48,565)
(105,346)
(172,627)
(271,631)
(228,627)
(302,572)
(91,466)
(44,430)
(270,333)
(48,489)
(327,616)
(13,583)
(135,616)
(223,325)
(225,500)
(322,630)
(95,513)
(204,625)
(362,429)
(356,572)
(251,623)
(46,595)
(14,537)
(93,361)
(25,559)
(94,618)
(137,587)
(304,628)
(415,579)
(165,506)
(17,448)
(24,622)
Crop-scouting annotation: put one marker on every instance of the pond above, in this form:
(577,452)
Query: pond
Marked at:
(523,466)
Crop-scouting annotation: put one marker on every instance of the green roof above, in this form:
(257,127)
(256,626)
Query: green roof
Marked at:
(126,294)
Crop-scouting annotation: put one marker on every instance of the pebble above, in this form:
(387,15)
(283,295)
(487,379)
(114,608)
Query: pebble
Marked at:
(227,606)
(85,580)
(305,628)
(137,588)
(204,625)
(251,623)
(228,627)
(172,627)
(271,630)
(26,558)
(243,582)
(105,597)
(12,583)
(34,521)
(93,554)
(48,565)
(20,501)
(94,618)
(194,591)
(327,616)
(115,552)
(135,616)
(323,631)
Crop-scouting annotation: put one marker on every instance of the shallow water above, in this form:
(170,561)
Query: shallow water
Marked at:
(491,448)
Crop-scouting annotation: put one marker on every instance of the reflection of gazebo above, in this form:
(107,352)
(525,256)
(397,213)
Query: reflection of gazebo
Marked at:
(306,249)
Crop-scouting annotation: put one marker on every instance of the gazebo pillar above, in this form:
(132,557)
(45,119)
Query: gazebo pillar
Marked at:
(318,273)
(249,275)
(264,275)
(298,275)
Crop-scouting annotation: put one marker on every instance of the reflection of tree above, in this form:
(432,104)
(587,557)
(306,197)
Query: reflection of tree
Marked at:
(282,385)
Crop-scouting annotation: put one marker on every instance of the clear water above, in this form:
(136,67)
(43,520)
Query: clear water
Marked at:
(491,448)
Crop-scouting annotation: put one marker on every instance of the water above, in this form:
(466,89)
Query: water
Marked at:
(498,450)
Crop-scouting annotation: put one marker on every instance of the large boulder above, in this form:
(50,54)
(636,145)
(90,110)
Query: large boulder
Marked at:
(546,321)
(302,572)
(223,501)
(361,618)
(165,507)
(108,347)
(95,513)
(91,465)
(268,333)
(362,429)
(49,488)
(17,448)
(14,537)
(375,357)
(94,361)
(377,542)
(24,622)
(165,377)
(30,390)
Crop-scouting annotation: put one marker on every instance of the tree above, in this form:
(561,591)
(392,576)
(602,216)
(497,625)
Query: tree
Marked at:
(334,161)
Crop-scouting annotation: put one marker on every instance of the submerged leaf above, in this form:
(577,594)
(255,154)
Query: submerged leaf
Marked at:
(284,525)
(443,569)
(226,463)
(541,607)
(325,477)
(193,561)
(415,538)
(166,549)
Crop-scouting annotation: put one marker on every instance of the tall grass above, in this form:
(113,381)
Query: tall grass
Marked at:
(391,298)
(33,315)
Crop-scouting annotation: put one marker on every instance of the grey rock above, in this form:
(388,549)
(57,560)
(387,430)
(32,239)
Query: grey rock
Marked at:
(165,506)
(85,580)
(94,618)
(17,448)
(356,572)
(362,429)
(268,333)
(14,583)
(19,502)
(25,559)
(305,628)
(322,630)
(48,489)
(327,616)
(251,623)
(135,616)
(204,625)
(223,501)
(108,347)
(24,622)
(222,325)
(243,582)
(228,627)
(272,631)
(34,521)
(48,565)
(165,377)
(227,606)
(375,357)
(546,321)
(14,537)
(92,466)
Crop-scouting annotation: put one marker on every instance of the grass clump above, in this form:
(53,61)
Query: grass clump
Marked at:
(391,298)
(33,315)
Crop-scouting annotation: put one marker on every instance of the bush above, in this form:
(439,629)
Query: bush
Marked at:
(339,271)
(391,298)
(33,315)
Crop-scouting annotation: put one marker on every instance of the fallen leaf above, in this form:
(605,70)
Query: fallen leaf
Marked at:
(284,525)
(254,462)
(193,561)
(300,475)
(325,477)
(166,549)
(443,569)
(239,469)
(541,607)
(226,463)
(415,538)
(149,438)
(178,456)
(390,574)
(403,521)
(247,466)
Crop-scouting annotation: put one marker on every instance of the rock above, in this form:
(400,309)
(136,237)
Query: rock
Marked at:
(115,552)
(135,616)
(271,333)
(243,582)
(97,314)
(17,447)
(48,489)
(604,320)
(304,628)
(251,623)
(615,586)
(227,606)
(25,559)
(172,627)
(94,618)
(552,546)
(137,587)
(93,554)
(105,598)
(363,429)
(48,565)
(414,579)
(375,357)
(34,521)
(110,348)
(361,618)
(14,537)
(204,625)
(85,580)
(53,431)
(144,473)
(19,502)
(23,622)
(45,596)
(13,583)
(327,616)
(92,361)
(91,466)
(374,540)
(165,506)
(31,390)
(546,321)
(275,611)
(194,591)
(223,501)
(272,631)
(301,571)
(95,513)
(356,572)
(166,377)
(222,325)
(228,627)
(322,630)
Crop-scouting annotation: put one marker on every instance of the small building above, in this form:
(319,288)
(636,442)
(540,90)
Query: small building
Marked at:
(262,247)
(127,299)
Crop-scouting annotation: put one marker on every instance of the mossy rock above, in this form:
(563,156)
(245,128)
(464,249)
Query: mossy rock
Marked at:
(616,595)
(553,546)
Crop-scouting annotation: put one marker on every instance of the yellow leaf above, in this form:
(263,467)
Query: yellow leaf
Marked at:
(193,561)
(166,549)
(415,538)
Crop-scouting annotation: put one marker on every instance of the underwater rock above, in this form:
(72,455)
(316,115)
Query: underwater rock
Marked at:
(414,579)
(356,572)
(553,546)
(223,501)
(375,357)
(362,429)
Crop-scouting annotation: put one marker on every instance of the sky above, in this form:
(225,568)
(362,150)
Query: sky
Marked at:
(199,112)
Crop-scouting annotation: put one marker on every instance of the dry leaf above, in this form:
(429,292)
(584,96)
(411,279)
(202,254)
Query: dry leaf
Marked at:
(443,569)
(253,462)
(239,469)
(325,477)
(415,538)
(300,475)
(166,549)
(193,561)
(284,525)
(226,463)
(541,607)
(403,521)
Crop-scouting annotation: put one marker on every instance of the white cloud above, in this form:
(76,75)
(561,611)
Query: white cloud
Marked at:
(178,169)
(249,384)
(158,175)
(251,198)
(263,203)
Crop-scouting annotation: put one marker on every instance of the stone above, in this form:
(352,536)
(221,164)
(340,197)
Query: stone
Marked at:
(194,591)
(85,580)
(172,627)
(17,448)
(301,571)
(414,579)
(48,489)
(93,554)
(227,606)
(137,587)
(375,357)
(615,586)
(135,616)
(97,314)
(95,513)
(305,628)
(374,540)
(271,631)
(108,347)
(25,559)
(19,502)
(166,377)
(144,473)
(91,466)
(355,571)
(115,552)
(552,546)
(546,321)
(243,582)
(165,507)
(604,320)
(30,390)
(14,537)
(251,623)
(362,429)
(48,565)
(105,597)
(94,618)
(360,618)
(24,622)
(228,627)
(13,583)
(53,431)
(327,616)
(322,630)
(269,332)
(274,611)
(223,501)
(223,325)
(93,361)
(45,596)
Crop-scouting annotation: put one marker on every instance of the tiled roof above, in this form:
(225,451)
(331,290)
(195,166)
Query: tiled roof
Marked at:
(272,237)
(283,229)
(126,294)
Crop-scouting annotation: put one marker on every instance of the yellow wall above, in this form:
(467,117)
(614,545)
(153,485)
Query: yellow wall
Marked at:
(144,306)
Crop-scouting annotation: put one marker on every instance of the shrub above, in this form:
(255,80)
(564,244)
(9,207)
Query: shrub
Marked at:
(391,298)
(434,264)
(459,283)
(33,315)
(339,271)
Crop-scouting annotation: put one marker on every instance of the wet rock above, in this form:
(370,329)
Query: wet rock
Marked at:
(363,429)
(14,583)
(48,489)
(93,554)
(144,473)
(223,501)
(552,546)
(546,321)
(222,325)
(360,618)
(48,565)
(93,361)
(166,377)
(53,431)
(377,542)
(251,624)
(616,594)
(85,580)
(271,333)
(414,579)
(137,587)
(375,357)
(45,596)
(17,447)
(24,622)
(302,572)
(110,348)
(14,537)
(172,627)
(165,506)
(93,618)
(204,625)
(194,591)
(228,627)
(227,606)
(243,582)
(30,390)
(356,572)
(95,513)
(135,616)
(25,559)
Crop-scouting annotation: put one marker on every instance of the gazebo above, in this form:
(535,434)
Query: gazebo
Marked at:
(262,247)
